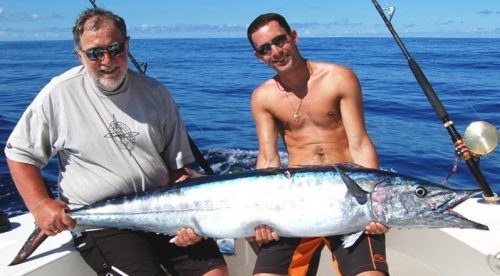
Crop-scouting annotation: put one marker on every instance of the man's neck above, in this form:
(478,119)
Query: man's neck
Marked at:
(296,80)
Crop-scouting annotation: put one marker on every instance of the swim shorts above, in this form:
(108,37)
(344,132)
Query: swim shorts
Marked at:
(296,256)
(125,252)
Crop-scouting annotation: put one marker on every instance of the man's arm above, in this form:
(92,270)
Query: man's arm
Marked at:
(49,213)
(351,107)
(360,145)
(268,156)
(267,133)
(185,236)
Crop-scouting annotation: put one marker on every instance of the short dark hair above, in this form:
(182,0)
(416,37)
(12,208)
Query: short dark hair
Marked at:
(101,15)
(262,20)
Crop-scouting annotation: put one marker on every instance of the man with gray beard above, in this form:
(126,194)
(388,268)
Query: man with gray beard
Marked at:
(115,132)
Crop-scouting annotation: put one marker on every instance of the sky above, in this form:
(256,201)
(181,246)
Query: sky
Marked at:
(52,19)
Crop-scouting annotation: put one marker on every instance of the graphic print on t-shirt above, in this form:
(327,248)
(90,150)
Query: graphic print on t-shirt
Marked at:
(122,135)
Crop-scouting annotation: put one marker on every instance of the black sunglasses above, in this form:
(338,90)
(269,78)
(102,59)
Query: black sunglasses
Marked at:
(97,53)
(279,41)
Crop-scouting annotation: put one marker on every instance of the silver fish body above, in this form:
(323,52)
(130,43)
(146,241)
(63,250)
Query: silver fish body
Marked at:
(303,202)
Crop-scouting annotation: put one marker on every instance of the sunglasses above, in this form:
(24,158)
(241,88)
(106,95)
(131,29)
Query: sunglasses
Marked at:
(97,53)
(279,41)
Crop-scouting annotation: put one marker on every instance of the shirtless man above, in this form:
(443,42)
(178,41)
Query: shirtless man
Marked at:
(317,108)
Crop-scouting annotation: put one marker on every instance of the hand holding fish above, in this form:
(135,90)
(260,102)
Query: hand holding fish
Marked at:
(376,228)
(264,234)
(186,237)
(51,217)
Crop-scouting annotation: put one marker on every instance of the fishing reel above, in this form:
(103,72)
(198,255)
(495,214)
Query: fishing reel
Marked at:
(481,138)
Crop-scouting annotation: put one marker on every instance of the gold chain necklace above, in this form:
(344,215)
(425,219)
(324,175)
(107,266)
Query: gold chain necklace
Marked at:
(296,116)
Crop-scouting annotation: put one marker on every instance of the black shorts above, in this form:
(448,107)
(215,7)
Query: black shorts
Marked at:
(140,253)
(296,256)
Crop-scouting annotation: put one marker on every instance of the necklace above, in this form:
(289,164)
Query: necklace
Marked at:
(296,116)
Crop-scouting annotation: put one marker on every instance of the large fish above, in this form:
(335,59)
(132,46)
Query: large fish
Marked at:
(299,202)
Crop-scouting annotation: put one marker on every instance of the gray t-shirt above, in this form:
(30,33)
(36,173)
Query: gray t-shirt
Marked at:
(107,144)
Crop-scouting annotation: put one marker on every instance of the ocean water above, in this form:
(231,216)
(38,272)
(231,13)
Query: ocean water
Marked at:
(212,80)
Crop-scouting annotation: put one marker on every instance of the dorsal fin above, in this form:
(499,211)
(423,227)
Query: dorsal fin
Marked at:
(353,187)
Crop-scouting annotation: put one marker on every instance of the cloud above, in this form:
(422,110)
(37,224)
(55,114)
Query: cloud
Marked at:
(344,22)
(46,33)
(22,17)
(239,30)
(26,17)
(193,30)
(341,27)
(486,12)
(449,22)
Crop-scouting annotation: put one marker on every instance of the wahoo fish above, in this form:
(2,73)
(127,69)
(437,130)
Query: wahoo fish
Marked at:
(296,202)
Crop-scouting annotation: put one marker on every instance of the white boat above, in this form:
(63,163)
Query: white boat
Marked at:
(410,252)
(422,252)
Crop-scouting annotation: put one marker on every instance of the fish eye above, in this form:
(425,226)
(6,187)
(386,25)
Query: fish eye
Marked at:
(420,191)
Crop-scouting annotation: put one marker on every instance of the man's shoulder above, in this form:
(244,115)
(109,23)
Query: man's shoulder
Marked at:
(334,73)
(265,89)
(69,74)
(331,67)
(146,83)
(63,80)
(142,78)
(269,84)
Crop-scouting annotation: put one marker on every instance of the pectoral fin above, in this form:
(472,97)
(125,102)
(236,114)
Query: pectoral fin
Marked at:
(353,187)
(349,240)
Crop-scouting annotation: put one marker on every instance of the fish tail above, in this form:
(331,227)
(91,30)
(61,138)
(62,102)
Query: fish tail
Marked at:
(34,240)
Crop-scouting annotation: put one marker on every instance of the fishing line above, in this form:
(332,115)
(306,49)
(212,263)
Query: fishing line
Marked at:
(452,171)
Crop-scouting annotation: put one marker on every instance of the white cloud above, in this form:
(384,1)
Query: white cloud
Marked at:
(188,30)
(487,12)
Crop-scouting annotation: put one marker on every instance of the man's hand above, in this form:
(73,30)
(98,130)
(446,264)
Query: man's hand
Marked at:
(50,215)
(186,237)
(263,235)
(376,228)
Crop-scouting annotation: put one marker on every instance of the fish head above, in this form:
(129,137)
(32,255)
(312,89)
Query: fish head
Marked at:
(412,203)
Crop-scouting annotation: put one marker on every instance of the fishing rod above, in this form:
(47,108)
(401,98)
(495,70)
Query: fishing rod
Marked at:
(196,152)
(140,67)
(460,147)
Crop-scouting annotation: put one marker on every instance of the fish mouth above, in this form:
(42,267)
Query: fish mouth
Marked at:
(460,196)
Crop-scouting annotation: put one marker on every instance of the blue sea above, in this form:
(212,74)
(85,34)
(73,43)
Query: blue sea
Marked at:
(212,80)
